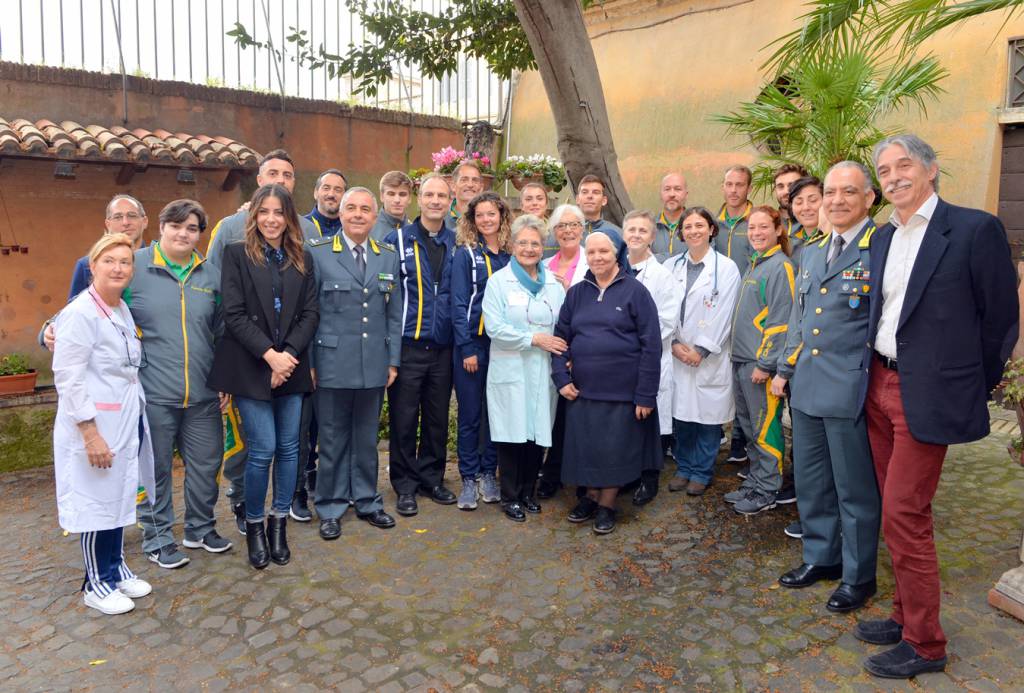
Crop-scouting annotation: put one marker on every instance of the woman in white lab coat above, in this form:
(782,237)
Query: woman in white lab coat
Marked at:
(708,284)
(101,447)
(638,230)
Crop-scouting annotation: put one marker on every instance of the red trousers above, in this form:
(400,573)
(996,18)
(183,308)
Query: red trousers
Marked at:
(908,474)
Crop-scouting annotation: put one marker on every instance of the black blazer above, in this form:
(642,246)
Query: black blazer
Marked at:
(960,305)
(248,304)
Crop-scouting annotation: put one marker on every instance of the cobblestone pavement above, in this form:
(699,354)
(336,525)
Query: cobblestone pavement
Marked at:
(681,597)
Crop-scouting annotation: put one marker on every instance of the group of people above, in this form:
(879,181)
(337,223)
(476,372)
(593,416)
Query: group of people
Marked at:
(581,354)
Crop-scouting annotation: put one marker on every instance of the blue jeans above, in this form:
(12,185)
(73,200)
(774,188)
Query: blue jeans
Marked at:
(695,449)
(271,432)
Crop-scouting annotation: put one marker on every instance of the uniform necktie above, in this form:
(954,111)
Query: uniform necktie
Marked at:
(361,260)
(837,250)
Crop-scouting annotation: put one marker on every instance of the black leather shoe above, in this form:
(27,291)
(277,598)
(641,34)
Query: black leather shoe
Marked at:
(439,494)
(406,504)
(604,520)
(644,494)
(583,511)
(277,536)
(902,662)
(239,510)
(256,544)
(379,518)
(807,574)
(886,632)
(530,505)
(330,529)
(546,488)
(850,597)
(514,511)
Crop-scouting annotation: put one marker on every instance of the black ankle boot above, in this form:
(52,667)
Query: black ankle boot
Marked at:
(279,552)
(256,543)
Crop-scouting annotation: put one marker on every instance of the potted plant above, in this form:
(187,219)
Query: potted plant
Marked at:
(416,174)
(16,378)
(1011,395)
(536,168)
(449,158)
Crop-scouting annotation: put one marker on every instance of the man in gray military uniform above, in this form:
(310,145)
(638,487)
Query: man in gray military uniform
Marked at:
(275,167)
(836,490)
(355,355)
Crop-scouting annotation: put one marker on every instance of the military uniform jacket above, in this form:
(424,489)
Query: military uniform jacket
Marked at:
(732,241)
(360,331)
(824,352)
(763,310)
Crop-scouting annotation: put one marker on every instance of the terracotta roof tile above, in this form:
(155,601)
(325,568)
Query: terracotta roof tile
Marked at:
(71,140)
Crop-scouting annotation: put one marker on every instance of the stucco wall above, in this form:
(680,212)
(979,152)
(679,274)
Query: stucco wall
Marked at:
(668,65)
(60,219)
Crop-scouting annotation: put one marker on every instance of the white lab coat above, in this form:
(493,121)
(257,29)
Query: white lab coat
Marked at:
(704,394)
(520,395)
(659,281)
(92,372)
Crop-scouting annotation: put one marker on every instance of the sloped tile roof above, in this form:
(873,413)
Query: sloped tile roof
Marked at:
(69,140)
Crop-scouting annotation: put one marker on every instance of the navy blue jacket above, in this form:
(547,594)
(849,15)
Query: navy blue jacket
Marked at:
(960,305)
(81,278)
(614,341)
(426,300)
(471,268)
(326,227)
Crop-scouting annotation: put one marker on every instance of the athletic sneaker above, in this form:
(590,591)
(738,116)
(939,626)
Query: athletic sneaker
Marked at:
(795,530)
(737,495)
(113,603)
(785,495)
(755,503)
(168,556)
(467,499)
(212,542)
(744,473)
(490,492)
(134,588)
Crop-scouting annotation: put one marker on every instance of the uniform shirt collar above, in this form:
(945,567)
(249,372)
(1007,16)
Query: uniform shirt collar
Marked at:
(352,244)
(924,212)
(850,234)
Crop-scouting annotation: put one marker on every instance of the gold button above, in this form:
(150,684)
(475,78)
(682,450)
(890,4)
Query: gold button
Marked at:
(815,331)
(817,311)
(814,352)
(824,290)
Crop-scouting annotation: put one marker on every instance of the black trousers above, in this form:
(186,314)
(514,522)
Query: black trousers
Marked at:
(518,466)
(418,400)
(552,467)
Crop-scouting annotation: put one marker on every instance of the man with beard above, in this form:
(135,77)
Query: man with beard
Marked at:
(468,183)
(330,186)
(673,202)
(785,176)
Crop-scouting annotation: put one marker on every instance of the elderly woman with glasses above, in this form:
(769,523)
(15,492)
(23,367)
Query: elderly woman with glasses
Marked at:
(521,304)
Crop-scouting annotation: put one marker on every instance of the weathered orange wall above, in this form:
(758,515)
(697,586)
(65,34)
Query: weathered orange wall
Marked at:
(668,65)
(60,219)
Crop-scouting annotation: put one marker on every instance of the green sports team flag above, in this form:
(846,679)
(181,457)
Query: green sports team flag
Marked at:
(232,436)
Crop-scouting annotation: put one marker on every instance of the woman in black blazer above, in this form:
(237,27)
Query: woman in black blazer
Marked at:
(271,313)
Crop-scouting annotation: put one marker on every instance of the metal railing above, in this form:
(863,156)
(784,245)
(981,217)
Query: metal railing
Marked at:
(186,40)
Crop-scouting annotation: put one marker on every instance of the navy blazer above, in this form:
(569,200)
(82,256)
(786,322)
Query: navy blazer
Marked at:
(960,305)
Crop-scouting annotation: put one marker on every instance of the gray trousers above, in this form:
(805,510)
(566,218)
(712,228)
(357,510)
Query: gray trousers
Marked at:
(347,472)
(760,416)
(837,494)
(198,434)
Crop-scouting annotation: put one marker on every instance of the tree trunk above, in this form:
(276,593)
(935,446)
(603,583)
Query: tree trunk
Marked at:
(565,60)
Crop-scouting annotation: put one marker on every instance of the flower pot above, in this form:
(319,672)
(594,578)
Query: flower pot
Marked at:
(488,181)
(520,181)
(21,384)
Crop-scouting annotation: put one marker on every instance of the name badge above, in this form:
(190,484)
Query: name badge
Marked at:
(518,298)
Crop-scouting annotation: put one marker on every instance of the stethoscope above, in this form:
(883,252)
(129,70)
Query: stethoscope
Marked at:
(710,300)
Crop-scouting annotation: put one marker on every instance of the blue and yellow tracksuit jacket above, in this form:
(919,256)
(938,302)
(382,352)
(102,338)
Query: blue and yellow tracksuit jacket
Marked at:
(426,299)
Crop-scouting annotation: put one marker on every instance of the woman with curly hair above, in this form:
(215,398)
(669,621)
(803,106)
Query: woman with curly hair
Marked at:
(482,241)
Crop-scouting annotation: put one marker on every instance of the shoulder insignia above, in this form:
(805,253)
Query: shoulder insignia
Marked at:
(336,244)
(374,247)
(385,246)
(314,242)
(865,240)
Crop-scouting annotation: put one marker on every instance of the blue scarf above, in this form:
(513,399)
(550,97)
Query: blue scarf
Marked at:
(532,285)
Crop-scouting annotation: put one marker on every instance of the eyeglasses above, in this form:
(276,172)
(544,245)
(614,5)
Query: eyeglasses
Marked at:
(528,244)
(568,226)
(130,216)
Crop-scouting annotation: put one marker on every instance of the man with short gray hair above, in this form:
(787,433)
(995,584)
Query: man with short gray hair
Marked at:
(944,302)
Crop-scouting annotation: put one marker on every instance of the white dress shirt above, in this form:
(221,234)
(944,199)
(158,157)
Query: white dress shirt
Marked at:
(906,242)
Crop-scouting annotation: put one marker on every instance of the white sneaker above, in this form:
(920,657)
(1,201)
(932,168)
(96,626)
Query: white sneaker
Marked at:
(134,588)
(113,603)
